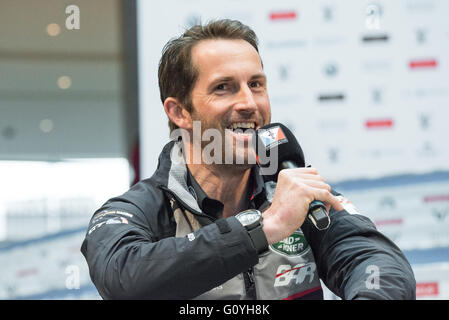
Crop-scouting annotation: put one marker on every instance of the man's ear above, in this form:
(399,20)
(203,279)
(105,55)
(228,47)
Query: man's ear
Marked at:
(177,113)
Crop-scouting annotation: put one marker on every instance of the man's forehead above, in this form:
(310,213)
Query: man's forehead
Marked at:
(212,53)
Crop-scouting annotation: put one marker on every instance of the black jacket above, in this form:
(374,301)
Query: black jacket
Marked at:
(132,251)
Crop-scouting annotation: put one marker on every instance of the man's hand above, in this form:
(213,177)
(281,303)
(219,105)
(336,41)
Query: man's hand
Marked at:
(295,190)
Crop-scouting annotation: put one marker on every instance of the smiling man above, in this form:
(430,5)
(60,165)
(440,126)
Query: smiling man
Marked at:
(229,96)
(216,230)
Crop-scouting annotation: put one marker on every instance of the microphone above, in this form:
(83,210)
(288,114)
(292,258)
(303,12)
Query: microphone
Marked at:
(278,139)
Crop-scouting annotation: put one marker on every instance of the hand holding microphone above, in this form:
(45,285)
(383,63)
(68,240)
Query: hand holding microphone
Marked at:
(300,192)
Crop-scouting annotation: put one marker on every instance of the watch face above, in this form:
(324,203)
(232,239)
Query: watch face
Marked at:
(248,217)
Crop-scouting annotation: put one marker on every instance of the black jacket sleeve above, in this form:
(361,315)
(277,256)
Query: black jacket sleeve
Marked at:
(126,262)
(356,261)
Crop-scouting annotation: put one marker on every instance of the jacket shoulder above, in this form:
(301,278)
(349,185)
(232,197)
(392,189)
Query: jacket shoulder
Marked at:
(146,200)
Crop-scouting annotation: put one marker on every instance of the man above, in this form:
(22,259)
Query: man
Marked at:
(194,230)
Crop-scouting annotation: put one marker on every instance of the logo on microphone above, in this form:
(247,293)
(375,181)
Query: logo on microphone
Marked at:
(272,137)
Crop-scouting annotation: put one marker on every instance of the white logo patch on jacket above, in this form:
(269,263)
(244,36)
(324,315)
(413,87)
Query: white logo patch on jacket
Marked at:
(298,273)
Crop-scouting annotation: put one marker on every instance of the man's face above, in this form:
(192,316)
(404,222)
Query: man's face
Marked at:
(231,90)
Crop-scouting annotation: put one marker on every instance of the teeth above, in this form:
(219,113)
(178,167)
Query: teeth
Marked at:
(244,125)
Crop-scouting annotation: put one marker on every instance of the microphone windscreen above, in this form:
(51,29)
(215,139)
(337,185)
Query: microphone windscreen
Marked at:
(276,138)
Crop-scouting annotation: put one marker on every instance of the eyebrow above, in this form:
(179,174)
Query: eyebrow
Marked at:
(228,79)
(259,75)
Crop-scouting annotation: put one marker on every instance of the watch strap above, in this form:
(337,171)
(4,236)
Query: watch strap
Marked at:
(259,239)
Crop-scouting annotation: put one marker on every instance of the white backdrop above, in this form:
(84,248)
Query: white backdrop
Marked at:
(364,85)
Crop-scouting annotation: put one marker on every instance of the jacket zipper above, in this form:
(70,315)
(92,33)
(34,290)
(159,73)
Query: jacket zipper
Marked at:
(248,276)
(250,284)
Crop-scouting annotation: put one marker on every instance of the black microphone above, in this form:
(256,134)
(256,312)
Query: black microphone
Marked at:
(276,140)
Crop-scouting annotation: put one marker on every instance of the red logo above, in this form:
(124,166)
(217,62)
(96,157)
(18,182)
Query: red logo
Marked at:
(379,124)
(426,63)
(436,198)
(427,289)
(283,15)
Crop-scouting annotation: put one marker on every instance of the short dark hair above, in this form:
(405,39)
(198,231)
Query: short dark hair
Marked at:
(177,75)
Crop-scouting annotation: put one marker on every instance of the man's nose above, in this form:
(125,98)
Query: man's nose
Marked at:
(246,102)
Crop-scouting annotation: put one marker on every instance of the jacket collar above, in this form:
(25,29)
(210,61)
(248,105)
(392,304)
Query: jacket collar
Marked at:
(171,175)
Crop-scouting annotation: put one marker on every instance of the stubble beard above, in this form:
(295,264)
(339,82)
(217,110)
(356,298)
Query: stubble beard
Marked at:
(235,157)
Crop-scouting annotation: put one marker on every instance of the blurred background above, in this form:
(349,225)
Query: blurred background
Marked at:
(364,85)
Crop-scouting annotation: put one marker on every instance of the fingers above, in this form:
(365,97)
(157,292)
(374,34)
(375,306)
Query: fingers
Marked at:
(322,190)
(319,189)
(296,189)
(310,177)
(328,198)
(319,184)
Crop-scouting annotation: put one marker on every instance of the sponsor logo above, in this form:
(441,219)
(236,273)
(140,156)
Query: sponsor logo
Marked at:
(331,69)
(423,64)
(379,123)
(424,121)
(292,246)
(373,16)
(427,289)
(436,198)
(272,137)
(375,38)
(283,15)
(427,149)
(191,236)
(421,36)
(327,13)
(114,220)
(377,95)
(439,204)
(285,274)
(117,220)
(387,202)
(95,227)
(331,97)
(333,154)
(104,213)
(440,214)
(284,73)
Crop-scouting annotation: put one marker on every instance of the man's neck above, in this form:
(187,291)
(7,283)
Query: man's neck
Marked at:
(230,187)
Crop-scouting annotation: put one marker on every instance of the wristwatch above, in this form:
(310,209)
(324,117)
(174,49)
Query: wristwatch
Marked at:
(252,221)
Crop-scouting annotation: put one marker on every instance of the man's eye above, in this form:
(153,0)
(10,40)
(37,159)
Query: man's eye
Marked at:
(255,84)
(222,86)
